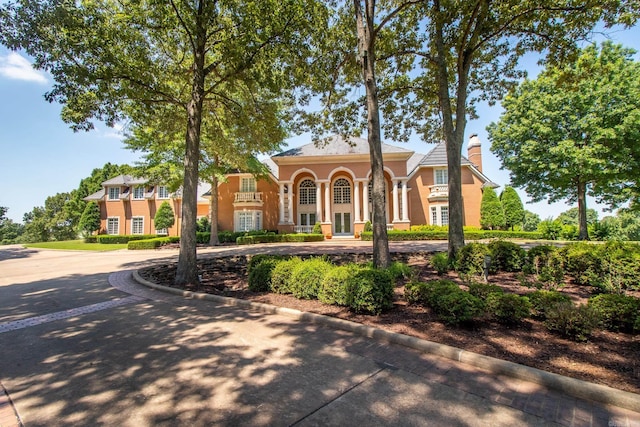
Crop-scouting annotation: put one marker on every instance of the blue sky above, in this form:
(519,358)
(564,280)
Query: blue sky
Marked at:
(41,156)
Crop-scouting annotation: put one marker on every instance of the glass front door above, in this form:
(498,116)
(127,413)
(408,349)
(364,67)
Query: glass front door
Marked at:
(342,223)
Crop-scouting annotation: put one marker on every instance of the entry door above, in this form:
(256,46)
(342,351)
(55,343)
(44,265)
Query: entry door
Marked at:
(342,223)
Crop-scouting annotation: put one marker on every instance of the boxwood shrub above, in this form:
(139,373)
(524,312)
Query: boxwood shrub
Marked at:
(506,256)
(507,308)
(372,291)
(428,293)
(459,307)
(338,285)
(482,290)
(401,235)
(151,243)
(470,259)
(307,276)
(277,238)
(542,300)
(260,274)
(440,261)
(571,321)
(616,312)
(281,275)
(122,238)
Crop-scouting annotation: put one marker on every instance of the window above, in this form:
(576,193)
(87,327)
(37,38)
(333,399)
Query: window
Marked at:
(113,225)
(307,219)
(307,193)
(114,193)
(162,231)
(163,192)
(137,225)
(341,192)
(440,215)
(248,185)
(138,193)
(248,220)
(442,177)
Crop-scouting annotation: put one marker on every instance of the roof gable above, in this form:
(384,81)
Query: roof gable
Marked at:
(337,145)
(438,157)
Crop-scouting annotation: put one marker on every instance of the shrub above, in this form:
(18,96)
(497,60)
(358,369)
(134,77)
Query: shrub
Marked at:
(281,275)
(506,256)
(373,292)
(338,285)
(547,264)
(112,238)
(368,228)
(507,308)
(470,259)
(260,275)
(317,228)
(307,276)
(458,307)
(398,269)
(550,229)
(482,290)
(581,262)
(571,321)
(428,293)
(616,312)
(542,300)
(91,239)
(619,267)
(440,262)
(257,259)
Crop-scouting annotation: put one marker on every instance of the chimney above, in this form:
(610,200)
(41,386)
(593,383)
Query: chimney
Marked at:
(474,150)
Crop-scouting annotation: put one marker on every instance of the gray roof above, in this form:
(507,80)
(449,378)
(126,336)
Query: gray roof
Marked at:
(98,195)
(124,180)
(438,157)
(337,145)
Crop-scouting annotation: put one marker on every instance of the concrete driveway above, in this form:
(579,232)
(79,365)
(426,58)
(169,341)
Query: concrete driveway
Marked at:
(82,344)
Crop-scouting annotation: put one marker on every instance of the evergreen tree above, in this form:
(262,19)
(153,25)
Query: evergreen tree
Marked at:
(491,213)
(531,221)
(90,219)
(512,207)
(164,217)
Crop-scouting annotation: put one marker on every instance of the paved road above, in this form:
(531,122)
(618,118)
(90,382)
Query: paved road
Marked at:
(82,344)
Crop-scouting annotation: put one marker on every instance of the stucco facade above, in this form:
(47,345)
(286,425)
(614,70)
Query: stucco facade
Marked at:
(327,183)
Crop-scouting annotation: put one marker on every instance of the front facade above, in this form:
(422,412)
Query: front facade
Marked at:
(328,183)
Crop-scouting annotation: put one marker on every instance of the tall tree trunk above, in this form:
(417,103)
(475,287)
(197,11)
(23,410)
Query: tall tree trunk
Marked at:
(367,58)
(583,227)
(213,204)
(187,273)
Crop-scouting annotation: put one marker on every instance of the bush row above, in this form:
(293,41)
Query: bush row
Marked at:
(276,238)
(361,288)
(401,235)
(123,238)
(454,305)
(152,243)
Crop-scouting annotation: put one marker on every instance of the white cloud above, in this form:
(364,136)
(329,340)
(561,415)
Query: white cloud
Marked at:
(14,66)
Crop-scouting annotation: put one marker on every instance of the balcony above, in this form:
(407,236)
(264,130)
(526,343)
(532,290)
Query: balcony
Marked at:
(303,229)
(247,199)
(438,192)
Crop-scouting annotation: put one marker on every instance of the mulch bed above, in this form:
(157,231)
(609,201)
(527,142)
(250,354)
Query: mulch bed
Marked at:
(608,358)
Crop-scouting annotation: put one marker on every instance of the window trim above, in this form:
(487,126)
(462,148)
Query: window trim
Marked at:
(141,189)
(133,220)
(307,193)
(117,221)
(109,193)
(446,176)
(163,196)
(437,211)
(256,220)
(252,187)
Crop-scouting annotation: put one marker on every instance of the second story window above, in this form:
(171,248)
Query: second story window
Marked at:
(163,192)
(138,193)
(442,177)
(114,193)
(248,185)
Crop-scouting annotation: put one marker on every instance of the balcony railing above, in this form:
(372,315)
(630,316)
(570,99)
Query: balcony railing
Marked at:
(303,228)
(438,191)
(248,198)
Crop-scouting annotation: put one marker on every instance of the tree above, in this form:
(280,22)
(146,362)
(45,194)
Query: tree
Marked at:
(561,135)
(468,53)
(572,217)
(90,219)
(9,230)
(120,60)
(630,222)
(531,221)
(512,207)
(491,213)
(164,217)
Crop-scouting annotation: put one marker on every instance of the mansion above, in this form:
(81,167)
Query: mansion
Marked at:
(329,183)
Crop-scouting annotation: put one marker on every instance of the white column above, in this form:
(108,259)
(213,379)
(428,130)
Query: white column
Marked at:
(290,194)
(396,216)
(405,210)
(318,201)
(356,200)
(281,203)
(365,200)
(327,202)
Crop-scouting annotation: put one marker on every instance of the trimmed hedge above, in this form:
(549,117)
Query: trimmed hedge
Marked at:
(281,275)
(401,235)
(151,243)
(122,238)
(616,312)
(91,239)
(338,285)
(307,276)
(373,292)
(277,238)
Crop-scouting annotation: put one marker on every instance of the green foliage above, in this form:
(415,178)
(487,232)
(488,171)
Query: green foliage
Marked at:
(459,307)
(440,261)
(339,284)
(90,219)
(258,258)
(373,292)
(399,270)
(123,238)
(491,212)
(546,262)
(470,259)
(470,234)
(571,321)
(506,256)
(570,217)
(164,217)
(276,238)
(531,221)
(260,274)
(550,229)
(609,228)
(368,228)
(507,308)
(482,290)
(317,228)
(9,231)
(428,293)
(307,276)
(512,207)
(151,243)
(542,300)
(281,275)
(616,312)
(203,225)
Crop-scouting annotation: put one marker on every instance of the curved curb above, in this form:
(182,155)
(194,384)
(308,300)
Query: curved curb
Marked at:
(571,386)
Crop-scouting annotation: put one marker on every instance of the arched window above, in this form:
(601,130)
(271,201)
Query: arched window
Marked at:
(307,192)
(341,192)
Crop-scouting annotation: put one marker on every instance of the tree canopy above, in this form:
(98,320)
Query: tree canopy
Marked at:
(164,217)
(512,207)
(573,131)
(491,213)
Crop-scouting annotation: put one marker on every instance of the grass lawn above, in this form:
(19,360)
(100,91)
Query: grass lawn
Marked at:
(77,245)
